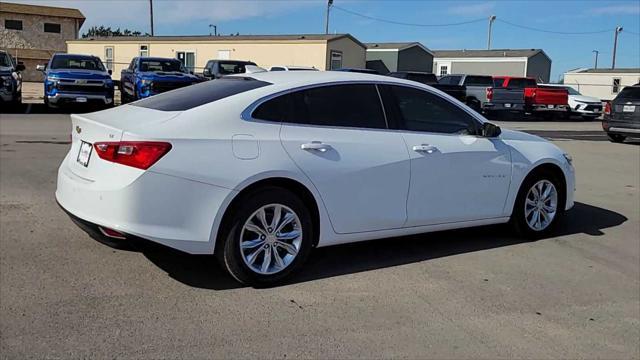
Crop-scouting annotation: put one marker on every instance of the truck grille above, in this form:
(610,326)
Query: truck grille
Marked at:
(163,86)
(80,88)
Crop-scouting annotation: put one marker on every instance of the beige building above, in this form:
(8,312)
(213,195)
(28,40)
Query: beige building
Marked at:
(33,33)
(320,51)
(603,84)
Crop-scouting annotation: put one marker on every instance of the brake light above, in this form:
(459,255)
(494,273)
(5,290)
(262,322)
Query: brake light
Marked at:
(489,94)
(607,108)
(138,154)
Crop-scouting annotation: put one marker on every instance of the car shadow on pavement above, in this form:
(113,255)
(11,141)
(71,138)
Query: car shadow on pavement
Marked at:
(202,271)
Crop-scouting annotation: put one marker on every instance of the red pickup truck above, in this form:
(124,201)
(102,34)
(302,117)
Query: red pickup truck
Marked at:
(538,99)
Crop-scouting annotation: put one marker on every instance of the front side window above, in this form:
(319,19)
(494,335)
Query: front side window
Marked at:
(76,62)
(13,24)
(616,86)
(356,105)
(420,110)
(52,28)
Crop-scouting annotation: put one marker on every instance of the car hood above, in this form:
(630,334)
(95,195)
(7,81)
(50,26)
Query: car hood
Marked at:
(79,74)
(508,134)
(167,76)
(582,98)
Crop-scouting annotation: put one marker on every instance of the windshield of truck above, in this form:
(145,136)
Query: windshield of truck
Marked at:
(5,60)
(77,62)
(158,65)
(231,68)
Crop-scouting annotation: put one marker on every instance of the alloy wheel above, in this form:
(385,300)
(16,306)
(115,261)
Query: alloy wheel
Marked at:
(541,205)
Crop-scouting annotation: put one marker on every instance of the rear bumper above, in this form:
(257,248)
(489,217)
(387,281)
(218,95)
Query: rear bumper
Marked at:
(549,108)
(501,107)
(172,211)
(61,97)
(620,127)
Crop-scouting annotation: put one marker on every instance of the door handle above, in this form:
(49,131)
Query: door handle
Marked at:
(425,148)
(316,146)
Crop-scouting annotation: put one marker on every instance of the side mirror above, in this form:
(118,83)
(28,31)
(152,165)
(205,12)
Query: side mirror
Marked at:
(110,72)
(490,130)
(206,72)
(41,67)
(20,67)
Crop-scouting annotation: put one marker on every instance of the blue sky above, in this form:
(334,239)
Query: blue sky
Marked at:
(188,17)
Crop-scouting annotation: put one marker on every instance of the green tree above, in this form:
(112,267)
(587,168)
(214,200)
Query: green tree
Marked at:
(101,31)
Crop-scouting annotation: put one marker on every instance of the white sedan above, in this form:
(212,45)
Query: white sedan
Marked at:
(586,106)
(260,169)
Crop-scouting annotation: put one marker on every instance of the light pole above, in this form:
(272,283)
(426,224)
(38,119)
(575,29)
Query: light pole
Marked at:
(151,14)
(326,19)
(596,52)
(215,30)
(492,18)
(615,46)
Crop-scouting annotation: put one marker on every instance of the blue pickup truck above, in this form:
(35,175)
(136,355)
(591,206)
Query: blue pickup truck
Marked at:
(76,79)
(10,80)
(147,76)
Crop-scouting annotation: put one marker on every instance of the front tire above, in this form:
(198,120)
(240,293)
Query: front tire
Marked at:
(616,138)
(270,237)
(539,205)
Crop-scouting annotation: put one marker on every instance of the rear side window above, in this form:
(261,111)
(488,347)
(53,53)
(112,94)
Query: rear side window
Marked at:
(420,110)
(277,109)
(356,105)
(195,95)
(478,81)
(450,80)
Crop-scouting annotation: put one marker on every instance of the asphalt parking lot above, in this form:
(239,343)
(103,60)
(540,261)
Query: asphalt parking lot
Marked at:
(474,293)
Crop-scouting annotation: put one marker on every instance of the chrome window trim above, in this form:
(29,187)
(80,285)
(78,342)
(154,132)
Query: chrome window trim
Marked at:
(247,113)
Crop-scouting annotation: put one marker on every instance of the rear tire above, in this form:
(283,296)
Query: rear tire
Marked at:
(616,138)
(539,205)
(264,245)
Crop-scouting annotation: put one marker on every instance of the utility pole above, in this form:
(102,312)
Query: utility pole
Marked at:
(492,18)
(215,30)
(326,19)
(151,14)
(615,46)
(596,52)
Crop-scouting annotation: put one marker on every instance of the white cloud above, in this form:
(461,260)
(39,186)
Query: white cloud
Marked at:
(477,9)
(626,9)
(134,14)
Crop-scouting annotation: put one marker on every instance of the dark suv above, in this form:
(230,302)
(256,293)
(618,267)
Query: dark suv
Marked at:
(622,115)
(10,79)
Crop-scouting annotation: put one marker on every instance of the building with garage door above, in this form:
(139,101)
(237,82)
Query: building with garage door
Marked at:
(320,51)
(500,62)
(405,56)
(32,33)
(604,84)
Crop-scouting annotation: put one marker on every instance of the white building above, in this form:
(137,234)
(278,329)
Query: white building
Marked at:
(603,84)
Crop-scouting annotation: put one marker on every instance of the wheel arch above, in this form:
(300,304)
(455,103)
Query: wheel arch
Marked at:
(295,186)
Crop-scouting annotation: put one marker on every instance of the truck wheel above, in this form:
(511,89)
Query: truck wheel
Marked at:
(616,138)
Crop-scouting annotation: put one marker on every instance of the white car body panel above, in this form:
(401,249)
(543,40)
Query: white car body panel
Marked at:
(376,188)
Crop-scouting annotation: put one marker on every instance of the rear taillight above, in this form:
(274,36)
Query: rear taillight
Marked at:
(138,154)
(489,94)
(607,108)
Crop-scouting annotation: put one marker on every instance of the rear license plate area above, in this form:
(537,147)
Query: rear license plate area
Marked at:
(507,105)
(84,153)
(629,108)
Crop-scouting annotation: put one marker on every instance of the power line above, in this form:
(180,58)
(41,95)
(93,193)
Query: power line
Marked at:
(632,33)
(554,32)
(404,23)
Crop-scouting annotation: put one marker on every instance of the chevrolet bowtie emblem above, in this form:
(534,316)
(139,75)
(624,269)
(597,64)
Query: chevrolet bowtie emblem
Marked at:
(78,129)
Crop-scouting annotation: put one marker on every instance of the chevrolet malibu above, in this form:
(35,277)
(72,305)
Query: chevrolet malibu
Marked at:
(261,169)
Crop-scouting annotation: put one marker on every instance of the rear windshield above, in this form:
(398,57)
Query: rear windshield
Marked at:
(76,62)
(422,78)
(5,60)
(519,83)
(229,68)
(195,95)
(630,92)
(498,82)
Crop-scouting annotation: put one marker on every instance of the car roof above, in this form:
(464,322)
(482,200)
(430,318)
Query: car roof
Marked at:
(287,79)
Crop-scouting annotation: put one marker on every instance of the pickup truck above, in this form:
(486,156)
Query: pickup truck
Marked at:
(475,88)
(504,102)
(148,76)
(215,69)
(10,80)
(540,100)
(457,91)
(76,79)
